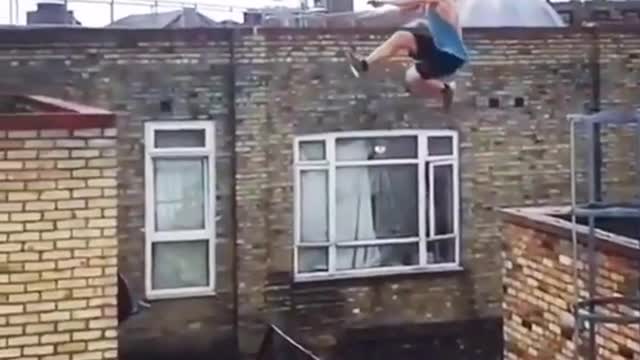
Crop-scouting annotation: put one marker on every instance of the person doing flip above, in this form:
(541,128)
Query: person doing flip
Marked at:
(438,50)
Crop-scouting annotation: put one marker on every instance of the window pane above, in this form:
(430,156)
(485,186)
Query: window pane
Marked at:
(402,147)
(314,207)
(365,257)
(180,194)
(376,202)
(440,145)
(443,199)
(313,260)
(179,138)
(180,264)
(312,150)
(441,251)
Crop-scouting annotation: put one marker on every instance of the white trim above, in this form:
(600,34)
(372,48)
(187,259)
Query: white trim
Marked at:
(297,234)
(381,162)
(179,152)
(380,242)
(423,210)
(379,133)
(456,204)
(425,201)
(331,156)
(190,235)
(432,218)
(208,233)
(163,294)
(319,167)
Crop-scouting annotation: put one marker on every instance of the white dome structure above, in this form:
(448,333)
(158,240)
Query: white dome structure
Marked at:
(473,13)
(508,13)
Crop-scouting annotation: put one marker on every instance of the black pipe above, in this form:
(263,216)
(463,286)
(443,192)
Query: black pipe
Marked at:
(595,179)
(595,194)
(231,122)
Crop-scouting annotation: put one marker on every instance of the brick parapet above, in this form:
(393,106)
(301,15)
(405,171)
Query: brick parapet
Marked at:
(539,293)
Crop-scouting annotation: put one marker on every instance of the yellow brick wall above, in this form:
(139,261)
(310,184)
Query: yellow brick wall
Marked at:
(58,244)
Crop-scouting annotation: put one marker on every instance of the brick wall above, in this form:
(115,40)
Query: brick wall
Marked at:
(293,82)
(297,84)
(539,292)
(509,156)
(193,78)
(58,244)
(152,76)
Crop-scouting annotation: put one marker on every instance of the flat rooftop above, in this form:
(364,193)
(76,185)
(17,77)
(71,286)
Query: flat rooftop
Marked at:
(620,234)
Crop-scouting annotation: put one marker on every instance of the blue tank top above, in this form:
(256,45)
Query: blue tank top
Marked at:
(445,35)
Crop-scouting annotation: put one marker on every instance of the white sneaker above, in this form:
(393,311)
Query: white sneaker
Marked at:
(447,95)
(354,64)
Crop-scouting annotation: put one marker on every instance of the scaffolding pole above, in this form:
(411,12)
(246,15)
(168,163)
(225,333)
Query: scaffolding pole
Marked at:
(594,208)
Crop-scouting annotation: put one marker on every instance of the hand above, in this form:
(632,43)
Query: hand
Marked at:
(375,3)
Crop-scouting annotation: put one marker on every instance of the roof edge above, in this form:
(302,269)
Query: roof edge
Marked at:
(541,218)
(56,114)
(18,37)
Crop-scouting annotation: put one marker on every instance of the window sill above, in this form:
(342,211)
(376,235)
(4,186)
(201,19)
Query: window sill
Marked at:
(180,295)
(449,268)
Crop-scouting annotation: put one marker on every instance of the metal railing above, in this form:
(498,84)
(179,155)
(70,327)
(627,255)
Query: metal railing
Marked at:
(18,8)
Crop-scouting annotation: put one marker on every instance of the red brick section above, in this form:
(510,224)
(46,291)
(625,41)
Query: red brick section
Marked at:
(539,292)
(52,113)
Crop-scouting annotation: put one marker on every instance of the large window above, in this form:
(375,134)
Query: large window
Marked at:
(376,202)
(179,213)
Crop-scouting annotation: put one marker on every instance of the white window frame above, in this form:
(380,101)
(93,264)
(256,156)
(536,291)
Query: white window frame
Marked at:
(423,160)
(209,232)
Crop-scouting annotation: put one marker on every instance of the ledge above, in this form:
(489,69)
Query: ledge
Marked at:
(543,219)
(377,274)
(50,113)
(44,36)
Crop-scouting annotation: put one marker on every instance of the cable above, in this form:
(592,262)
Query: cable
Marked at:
(294,343)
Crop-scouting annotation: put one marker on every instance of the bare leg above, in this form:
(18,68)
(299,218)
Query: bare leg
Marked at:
(428,87)
(401,42)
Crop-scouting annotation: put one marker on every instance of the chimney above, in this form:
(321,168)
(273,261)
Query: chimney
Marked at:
(189,16)
(51,12)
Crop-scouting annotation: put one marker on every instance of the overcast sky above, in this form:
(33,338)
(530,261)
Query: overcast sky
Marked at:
(97,12)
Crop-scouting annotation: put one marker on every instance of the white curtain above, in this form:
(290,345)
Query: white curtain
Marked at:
(314,210)
(179,194)
(372,202)
(315,225)
(179,205)
(354,213)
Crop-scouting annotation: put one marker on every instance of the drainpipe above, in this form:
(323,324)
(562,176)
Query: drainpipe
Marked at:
(231,121)
(595,168)
(595,191)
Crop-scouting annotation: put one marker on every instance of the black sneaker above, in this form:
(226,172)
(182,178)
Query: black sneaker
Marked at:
(357,65)
(447,95)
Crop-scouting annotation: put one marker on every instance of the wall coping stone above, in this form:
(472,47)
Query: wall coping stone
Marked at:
(43,36)
(543,218)
(52,113)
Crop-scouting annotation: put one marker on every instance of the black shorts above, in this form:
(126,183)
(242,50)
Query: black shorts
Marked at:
(431,62)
